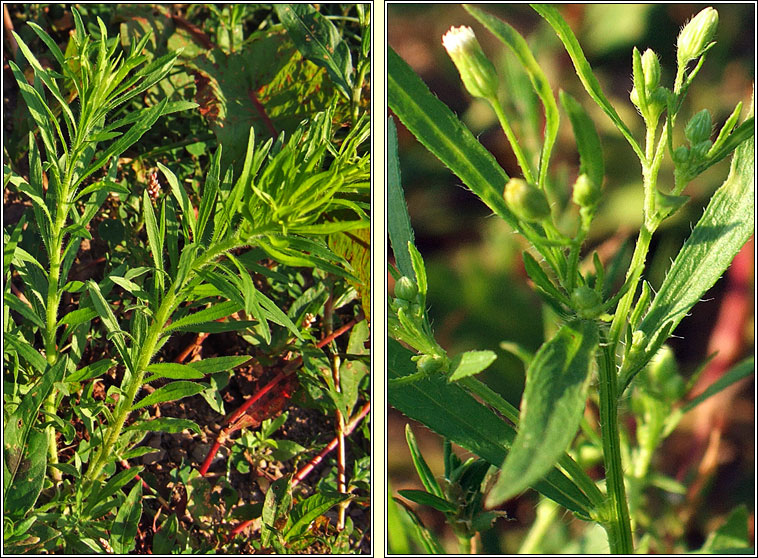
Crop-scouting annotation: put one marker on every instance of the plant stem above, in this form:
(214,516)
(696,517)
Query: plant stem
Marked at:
(617,523)
(517,151)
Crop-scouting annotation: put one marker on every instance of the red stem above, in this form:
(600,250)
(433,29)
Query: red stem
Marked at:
(302,473)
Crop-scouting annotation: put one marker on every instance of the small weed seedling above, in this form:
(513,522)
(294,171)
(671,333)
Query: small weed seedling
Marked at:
(617,332)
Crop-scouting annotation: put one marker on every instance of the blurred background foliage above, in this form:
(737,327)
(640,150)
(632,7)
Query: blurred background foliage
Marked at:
(478,294)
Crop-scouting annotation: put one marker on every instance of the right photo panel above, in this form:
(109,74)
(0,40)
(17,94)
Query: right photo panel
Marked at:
(570,308)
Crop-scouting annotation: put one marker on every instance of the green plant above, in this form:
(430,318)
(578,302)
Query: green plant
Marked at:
(91,356)
(618,330)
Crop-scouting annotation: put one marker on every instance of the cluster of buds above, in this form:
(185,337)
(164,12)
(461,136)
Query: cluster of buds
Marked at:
(647,94)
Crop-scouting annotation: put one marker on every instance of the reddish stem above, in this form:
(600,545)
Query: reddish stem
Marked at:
(302,473)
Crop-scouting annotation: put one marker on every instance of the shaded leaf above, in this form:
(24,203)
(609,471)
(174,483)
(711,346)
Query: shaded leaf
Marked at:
(552,406)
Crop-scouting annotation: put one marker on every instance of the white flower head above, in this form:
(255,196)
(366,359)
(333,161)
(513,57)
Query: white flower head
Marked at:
(477,72)
(458,38)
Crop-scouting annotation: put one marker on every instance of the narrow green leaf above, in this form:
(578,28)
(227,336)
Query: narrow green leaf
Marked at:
(124,528)
(554,397)
(172,370)
(470,363)
(727,223)
(165,424)
(110,322)
(154,238)
(127,140)
(215,312)
(27,352)
(422,469)
(435,125)
(541,280)
(426,499)
(305,512)
(114,484)
(738,372)
(421,534)
(38,109)
(584,70)
(319,41)
(188,213)
(218,364)
(91,370)
(78,316)
(510,37)
(171,392)
(24,309)
(398,221)
(208,199)
(447,409)
(587,140)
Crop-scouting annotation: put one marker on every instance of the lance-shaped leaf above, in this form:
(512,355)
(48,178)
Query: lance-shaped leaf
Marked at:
(551,408)
(587,139)
(584,70)
(398,221)
(446,408)
(171,392)
(442,133)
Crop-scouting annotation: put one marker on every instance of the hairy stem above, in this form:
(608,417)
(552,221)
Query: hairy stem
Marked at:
(617,523)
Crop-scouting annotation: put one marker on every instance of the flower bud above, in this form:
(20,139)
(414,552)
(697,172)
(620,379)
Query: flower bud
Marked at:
(406,289)
(428,364)
(634,96)
(586,192)
(651,69)
(696,35)
(656,102)
(663,374)
(527,202)
(477,72)
(586,301)
(681,154)
(699,127)
(700,149)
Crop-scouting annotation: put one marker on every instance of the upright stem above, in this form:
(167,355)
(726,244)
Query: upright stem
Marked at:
(617,523)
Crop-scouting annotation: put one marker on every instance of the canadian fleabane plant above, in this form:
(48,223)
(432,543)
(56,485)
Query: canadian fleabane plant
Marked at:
(614,333)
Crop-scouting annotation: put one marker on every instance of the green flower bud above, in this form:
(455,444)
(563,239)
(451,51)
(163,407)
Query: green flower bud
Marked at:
(586,192)
(406,289)
(477,72)
(634,96)
(651,69)
(696,35)
(527,202)
(699,127)
(663,374)
(428,364)
(681,155)
(586,301)
(700,149)
(656,102)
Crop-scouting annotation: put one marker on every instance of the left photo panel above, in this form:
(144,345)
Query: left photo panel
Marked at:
(187,279)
